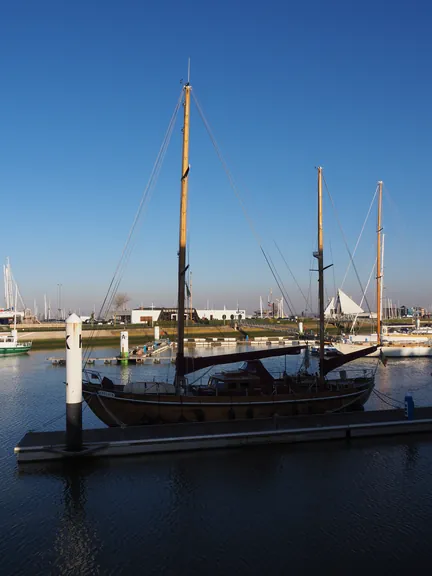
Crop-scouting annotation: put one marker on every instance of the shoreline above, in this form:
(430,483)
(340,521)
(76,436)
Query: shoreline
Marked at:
(55,339)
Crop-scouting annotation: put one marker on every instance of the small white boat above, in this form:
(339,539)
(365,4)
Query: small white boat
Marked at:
(329,350)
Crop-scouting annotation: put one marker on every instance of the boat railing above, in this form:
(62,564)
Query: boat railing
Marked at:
(350,374)
(95,377)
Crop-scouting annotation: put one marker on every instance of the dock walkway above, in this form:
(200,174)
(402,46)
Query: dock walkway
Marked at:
(209,435)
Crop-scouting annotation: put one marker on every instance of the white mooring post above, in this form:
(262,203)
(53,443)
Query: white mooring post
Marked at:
(156,333)
(73,383)
(124,344)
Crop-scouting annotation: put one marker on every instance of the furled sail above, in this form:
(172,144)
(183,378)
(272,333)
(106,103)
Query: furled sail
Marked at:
(333,363)
(192,364)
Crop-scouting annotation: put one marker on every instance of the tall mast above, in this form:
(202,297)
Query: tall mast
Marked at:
(382,281)
(15,307)
(191,301)
(379,270)
(180,368)
(320,257)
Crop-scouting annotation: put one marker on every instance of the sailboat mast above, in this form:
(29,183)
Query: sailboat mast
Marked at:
(320,257)
(382,282)
(191,301)
(379,271)
(180,368)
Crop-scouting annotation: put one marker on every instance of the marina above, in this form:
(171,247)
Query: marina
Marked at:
(69,501)
(216,329)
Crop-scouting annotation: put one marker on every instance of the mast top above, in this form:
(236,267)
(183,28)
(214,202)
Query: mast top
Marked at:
(188,76)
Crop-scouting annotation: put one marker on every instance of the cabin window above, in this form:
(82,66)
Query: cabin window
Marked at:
(216,383)
(232,386)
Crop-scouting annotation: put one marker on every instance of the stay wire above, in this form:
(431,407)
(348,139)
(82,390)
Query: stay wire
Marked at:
(360,235)
(291,272)
(227,170)
(234,187)
(273,273)
(124,257)
(285,293)
(346,243)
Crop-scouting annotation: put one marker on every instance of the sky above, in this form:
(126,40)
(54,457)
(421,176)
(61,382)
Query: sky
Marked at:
(87,92)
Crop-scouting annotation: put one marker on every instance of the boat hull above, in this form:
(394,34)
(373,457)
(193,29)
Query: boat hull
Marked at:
(14,351)
(120,409)
(401,351)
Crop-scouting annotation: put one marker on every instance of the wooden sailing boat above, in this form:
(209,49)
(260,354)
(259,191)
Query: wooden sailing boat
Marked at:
(248,392)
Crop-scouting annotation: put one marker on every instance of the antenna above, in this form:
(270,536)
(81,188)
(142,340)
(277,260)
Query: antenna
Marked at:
(188,80)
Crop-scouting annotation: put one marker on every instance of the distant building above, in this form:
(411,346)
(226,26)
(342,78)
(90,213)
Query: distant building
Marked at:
(150,315)
(7,316)
(222,314)
(145,315)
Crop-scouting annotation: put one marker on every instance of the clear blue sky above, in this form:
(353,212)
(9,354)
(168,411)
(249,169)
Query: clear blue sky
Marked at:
(87,90)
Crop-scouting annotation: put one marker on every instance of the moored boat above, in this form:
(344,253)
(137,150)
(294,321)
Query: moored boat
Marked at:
(10,345)
(248,392)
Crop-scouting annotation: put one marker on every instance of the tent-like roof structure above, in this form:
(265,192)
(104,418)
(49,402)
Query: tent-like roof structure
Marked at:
(343,306)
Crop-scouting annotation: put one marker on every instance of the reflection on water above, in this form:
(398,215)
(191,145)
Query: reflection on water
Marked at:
(338,507)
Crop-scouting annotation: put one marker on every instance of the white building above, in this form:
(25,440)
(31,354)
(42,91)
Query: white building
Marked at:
(222,314)
(145,316)
(150,315)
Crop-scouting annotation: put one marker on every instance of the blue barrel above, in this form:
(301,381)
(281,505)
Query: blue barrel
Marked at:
(409,406)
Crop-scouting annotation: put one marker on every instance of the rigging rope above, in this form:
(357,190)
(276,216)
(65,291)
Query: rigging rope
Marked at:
(359,238)
(128,247)
(346,243)
(292,274)
(239,198)
(275,276)
(361,301)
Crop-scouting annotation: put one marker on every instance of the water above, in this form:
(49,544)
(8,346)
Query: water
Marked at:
(335,507)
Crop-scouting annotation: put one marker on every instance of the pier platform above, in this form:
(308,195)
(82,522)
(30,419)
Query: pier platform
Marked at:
(131,359)
(151,439)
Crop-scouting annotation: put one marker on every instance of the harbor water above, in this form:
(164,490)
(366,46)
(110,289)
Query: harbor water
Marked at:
(340,508)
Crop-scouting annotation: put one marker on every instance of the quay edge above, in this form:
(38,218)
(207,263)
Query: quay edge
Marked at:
(156,439)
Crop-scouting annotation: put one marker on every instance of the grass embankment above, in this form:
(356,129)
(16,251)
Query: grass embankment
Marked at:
(142,336)
(51,337)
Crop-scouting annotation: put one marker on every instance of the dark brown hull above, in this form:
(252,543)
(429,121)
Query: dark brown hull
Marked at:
(120,409)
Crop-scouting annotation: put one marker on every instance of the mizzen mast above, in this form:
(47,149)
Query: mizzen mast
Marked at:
(320,257)
(379,266)
(180,364)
